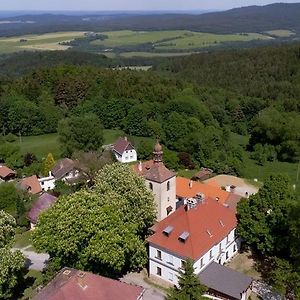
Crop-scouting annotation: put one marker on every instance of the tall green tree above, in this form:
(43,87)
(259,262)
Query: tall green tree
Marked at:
(189,286)
(100,229)
(80,133)
(11,262)
(49,163)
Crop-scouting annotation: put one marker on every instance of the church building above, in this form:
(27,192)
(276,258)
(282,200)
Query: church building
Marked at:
(161,181)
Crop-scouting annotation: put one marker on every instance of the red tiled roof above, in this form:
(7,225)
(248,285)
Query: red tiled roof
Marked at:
(122,145)
(44,202)
(31,184)
(5,171)
(207,224)
(186,188)
(71,284)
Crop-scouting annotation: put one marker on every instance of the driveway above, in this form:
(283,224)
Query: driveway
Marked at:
(34,261)
(151,293)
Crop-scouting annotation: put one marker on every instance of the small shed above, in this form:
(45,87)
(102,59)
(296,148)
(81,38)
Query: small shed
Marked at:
(203,174)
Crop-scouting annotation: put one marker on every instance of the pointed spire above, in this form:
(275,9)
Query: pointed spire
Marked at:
(158,153)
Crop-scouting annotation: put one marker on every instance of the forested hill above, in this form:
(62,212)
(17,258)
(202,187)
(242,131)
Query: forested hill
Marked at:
(246,19)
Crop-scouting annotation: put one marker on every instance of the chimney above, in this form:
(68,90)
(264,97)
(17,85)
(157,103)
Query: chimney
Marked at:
(190,184)
(140,166)
(125,138)
(81,280)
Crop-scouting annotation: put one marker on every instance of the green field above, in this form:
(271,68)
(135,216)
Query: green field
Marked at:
(173,40)
(280,33)
(48,41)
(253,170)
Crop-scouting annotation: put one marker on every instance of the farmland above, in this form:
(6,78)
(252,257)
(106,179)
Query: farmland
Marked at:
(127,43)
(48,41)
(173,40)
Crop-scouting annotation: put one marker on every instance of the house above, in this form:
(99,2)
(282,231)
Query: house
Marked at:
(203,174)
(124,151)
(161,181)
(31,185)
(47,183)
(72,284)
(44,202)
(6,173)
(202,230)
(225,283)
(65,170)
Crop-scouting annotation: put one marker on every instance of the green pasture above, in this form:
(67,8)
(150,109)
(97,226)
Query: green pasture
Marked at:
(172,40)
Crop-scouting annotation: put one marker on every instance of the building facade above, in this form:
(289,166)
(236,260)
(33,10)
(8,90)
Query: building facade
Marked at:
(123,151)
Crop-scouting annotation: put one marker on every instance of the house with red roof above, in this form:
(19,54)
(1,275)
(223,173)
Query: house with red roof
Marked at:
(72,284)
(202,230)
(124,151)
(6,173)
(31,185)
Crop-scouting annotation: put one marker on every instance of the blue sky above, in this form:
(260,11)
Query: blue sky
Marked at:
(126,4)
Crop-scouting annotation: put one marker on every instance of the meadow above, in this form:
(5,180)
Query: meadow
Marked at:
(48,41)
(173,40)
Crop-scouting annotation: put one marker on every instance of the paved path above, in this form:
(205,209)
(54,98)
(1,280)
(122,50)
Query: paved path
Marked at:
(151,293)
(34,261)
(265,291)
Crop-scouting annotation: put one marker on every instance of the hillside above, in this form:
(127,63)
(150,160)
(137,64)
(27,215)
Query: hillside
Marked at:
(245,19)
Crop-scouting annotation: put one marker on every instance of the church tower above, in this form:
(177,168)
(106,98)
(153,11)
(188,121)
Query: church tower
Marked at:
(162,182)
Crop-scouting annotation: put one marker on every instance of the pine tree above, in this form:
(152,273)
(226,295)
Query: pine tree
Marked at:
(190,287)
(48,164)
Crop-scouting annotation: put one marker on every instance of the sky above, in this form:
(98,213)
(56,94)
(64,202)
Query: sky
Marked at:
(101,5)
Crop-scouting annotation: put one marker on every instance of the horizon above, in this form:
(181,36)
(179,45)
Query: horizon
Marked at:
(130,5)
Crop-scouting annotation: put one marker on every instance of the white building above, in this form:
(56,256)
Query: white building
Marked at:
(161,181)
(204,231)
(47,183)
(124,151)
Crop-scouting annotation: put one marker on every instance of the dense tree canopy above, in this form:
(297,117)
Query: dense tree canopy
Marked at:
(11,262)
(102,229)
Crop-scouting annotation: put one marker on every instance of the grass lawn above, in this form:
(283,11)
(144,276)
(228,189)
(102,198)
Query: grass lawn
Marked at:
(23,240)
(253,170)
(35,278)
(187,173)
(281,33)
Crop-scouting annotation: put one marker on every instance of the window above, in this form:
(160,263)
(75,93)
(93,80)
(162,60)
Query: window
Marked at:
(168,185)
(151,186)
(158,254)
(131,157)
(227,239)
(158,271)
(171,276)
(201,263)
(210,254)
(182,264)
(168,199)
(220,247)
(234,248)
(227,256)
(170,259)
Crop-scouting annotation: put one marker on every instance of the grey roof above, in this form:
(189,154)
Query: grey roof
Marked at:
(62,168)
(225,280)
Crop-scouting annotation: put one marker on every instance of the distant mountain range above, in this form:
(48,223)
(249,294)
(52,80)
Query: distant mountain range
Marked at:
(246,19)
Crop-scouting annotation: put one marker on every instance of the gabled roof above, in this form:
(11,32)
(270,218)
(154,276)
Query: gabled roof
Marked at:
(71,284)
(31,184)
(186,188)
(225,280)
(207,224)
(122,145)
(6,172)
(143,167)
(44,202)
(62,168)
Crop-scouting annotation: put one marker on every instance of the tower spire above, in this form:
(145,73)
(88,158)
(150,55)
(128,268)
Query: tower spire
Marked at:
(157,153)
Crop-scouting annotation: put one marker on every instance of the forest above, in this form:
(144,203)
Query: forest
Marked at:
(192,104)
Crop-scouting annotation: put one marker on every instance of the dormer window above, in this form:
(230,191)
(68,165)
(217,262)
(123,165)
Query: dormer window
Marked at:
(184,236)
(167,231)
